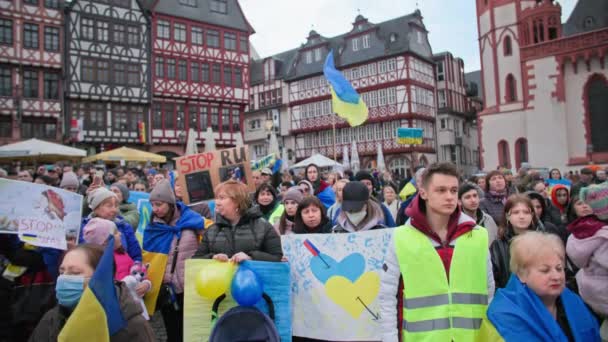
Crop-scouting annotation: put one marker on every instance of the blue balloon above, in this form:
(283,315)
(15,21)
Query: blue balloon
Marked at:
(246,288)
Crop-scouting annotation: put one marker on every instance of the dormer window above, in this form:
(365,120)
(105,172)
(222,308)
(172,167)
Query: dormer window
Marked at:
(190,3)
(219,6)
(317,54)
(308,56)
(588,23)
(393,37)
(360,27)
(366,41)
(355,42)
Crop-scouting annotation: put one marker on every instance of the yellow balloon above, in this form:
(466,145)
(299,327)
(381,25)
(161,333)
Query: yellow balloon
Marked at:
(214,279)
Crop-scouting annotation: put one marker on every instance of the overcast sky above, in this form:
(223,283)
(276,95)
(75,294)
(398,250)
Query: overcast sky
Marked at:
(281,25)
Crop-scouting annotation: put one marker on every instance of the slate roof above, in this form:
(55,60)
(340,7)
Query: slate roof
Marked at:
(588,15)
(234,18)
(474,77)
(289,67)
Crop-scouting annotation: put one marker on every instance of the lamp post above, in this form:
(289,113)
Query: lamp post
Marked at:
(269,125)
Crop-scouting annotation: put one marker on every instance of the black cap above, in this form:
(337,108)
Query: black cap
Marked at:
(586,171)
(355,196)
(361,175)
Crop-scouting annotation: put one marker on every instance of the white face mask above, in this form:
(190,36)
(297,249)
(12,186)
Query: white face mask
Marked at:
(356,217)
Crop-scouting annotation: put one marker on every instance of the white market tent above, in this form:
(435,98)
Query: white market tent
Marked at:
(317,159)
(39,151)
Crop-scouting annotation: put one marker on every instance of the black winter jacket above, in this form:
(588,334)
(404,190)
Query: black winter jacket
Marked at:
(252,235)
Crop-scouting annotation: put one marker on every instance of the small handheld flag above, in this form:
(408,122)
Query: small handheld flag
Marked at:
(345,100)
(314,251)
(409,136)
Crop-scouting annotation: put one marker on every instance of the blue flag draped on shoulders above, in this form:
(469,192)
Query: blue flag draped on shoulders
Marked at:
(97,315)
(157,244)
(345,100)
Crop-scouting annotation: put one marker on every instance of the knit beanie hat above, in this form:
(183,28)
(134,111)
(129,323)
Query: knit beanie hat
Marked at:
(311,190)
(163,192)
(293,194)
(69,179)
(361,175)
(123,189)
(596,196)
(97,196)
(97,231)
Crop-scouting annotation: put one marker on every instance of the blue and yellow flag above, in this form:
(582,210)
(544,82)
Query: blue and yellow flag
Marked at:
(409,136)
(259,164)
(97,315)
(345,100)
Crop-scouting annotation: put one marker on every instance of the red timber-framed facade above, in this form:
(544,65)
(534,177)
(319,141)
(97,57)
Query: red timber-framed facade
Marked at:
(390,64)
(31,47)
(200,66)
(543,79)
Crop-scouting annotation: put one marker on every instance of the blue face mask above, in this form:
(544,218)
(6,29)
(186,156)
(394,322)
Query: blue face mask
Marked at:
(69,289)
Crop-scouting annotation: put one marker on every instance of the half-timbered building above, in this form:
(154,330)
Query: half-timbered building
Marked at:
(457,138)
(107,70)
(31,49)
(200,58)
(391,66)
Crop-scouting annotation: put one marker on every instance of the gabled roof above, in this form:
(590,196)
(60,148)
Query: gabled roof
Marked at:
(388,38)
(234,17)
(588,15)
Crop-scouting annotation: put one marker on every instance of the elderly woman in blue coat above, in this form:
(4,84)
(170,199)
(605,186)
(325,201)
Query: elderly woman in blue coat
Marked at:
(535,305)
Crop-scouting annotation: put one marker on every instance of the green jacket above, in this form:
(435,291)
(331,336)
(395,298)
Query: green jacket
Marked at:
(130,214)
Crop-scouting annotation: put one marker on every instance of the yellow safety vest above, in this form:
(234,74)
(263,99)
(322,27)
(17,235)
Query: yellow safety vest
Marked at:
(433,308)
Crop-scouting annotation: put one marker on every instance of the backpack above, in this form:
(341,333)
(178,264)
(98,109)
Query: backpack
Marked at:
(242,324)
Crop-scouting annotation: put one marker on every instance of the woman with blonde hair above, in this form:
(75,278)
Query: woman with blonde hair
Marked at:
(536,305)
(334,210)
(240,232)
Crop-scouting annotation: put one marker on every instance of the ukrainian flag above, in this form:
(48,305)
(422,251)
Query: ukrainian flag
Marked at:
(97,315)
(345,100)
(409,136)
(156,248)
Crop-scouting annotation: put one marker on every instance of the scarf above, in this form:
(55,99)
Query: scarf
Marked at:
(157,241)
(497,196)
(268,209)
(585,227)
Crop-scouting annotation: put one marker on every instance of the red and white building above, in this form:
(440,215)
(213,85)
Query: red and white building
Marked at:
(545,83)
(457,138)
(31,46)
(200,64)
(391,66)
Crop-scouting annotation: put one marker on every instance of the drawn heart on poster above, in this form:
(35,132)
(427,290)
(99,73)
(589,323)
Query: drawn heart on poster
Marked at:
(353,297)
(324,267)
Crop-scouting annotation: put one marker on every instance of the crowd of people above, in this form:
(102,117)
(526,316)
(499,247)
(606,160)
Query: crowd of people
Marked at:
(494,256)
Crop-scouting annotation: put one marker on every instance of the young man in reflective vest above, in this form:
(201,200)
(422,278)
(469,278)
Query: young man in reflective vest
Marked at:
(437,277)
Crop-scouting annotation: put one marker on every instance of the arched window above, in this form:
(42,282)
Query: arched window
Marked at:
(521,152)
(596,92)
(507,49)
(504,158)
(510,89)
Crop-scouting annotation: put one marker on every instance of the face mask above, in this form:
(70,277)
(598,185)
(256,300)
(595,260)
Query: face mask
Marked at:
(356,217)
(68,290)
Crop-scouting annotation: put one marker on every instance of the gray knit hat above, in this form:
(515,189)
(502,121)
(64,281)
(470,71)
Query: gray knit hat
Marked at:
(163,192)
(97,196)
(69,179)
(123,190)
(293,194)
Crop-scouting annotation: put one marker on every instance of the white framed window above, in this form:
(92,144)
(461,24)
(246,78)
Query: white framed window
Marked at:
(419,37)
(361,132)
(308,56)
(317,54)
(443,126)
(373,99)
(369,130)
(392,95)
(391,64)
(363,71)
(355,73)
(355,43)
(371,68)
(382,97)
(378,131)
(441,98)
(440,74)
(381,67)
(365,41)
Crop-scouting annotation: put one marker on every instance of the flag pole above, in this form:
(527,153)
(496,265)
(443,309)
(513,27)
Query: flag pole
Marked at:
(333,124)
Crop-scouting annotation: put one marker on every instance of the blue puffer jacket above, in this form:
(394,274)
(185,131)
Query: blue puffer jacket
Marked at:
(129,241)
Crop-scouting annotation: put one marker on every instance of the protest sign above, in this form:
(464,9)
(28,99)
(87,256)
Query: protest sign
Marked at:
(200,173)
(336,283)
(275,278)
(41,215)
(144,208)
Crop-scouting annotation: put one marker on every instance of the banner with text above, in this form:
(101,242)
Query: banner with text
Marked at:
(336,283)
(41,215)
(200,173)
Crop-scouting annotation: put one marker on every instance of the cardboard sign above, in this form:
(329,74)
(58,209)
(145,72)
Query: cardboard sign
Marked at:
(200,173)
(142,200)
(41,215)
(336,284)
